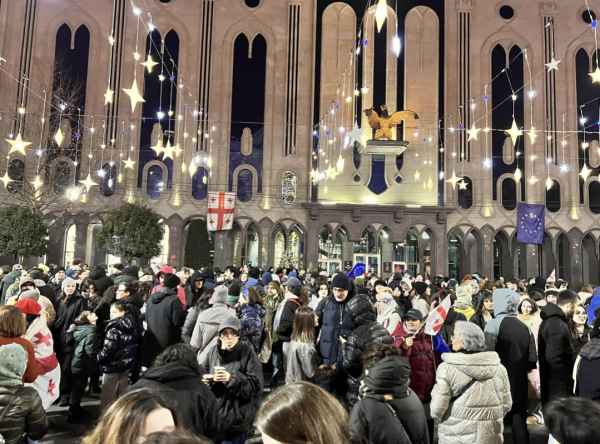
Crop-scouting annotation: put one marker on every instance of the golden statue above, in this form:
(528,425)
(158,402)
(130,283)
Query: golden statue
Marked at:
(385,122)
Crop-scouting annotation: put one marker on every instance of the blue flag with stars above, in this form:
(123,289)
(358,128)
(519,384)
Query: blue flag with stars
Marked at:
(357,270)
(531,222)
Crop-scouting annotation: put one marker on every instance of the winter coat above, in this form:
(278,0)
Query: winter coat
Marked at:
(366,332)
(251,320)
(194,401)
(587,369)
(65,316)
(514,343)
(206,331)
(191,294)
(26,417)
(253,283)
(46,292)
(100,280)
(189,324)
(476,417)
(334,321)
(120,345)
(387,314)
(555,354)
(421,305)
(271,306)
(423,361)
(286,322)
(467,312)
(135,302)
(447,330)
(303,363)
(534,321)
(237,400)
(580,341)
(56,288)
(180,293)
(7,281)
(480,320)
(129,274)
(388,410)
(164,316)
(86,349)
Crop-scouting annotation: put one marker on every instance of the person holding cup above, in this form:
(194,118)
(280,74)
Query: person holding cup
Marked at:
(237,380)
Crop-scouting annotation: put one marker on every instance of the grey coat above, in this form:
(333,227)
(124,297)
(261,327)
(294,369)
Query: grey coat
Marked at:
(303,363)
(205,333)
(477,416)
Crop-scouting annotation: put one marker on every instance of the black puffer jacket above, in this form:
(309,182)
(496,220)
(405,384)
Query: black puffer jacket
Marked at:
(193,399)
(389,411)
(100,280)
(65,316)
(26,417)
(120,345)
(286,323)
(366,332)
(191,294)
(135,302)
(588,383)
(237,400)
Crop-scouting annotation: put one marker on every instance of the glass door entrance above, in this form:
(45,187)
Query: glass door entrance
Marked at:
(372,261)
(331,267)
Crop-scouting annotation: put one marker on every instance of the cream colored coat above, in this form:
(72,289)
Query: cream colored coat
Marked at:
(477,416)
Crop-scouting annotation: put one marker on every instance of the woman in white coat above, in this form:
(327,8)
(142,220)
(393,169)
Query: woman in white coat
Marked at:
(387,314)
(472,393)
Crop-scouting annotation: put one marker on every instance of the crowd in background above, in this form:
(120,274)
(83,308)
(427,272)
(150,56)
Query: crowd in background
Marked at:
(187,356)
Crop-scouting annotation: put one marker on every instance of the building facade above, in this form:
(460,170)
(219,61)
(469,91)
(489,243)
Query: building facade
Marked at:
(257,94)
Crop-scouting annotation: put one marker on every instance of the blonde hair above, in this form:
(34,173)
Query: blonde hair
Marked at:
(304,325)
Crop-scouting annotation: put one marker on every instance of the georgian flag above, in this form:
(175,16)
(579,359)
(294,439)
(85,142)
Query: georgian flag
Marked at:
(220,211)
(552,277)
(437,316)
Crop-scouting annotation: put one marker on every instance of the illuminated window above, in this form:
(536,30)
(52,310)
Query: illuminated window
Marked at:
(289,187)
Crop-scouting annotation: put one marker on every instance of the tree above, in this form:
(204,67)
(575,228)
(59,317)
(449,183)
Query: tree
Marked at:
(132,231)
(197,246)
(22,232)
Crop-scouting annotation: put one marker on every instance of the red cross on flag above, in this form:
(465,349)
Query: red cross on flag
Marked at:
(220,211)
(437,316)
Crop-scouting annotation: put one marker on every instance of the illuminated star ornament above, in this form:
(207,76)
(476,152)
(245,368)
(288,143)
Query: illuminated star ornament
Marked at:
(454,180)
(37,182)
(6,179)
(149,64)
(473,132)
(177,150)
(108,96)
(417,175)
(331,173)
(429,184)
(88,183)
(129,163)
(168,151)
(553,65)
(314,176)
(325,190)
(58,137)
(595,76)
(134,95)
(354,135)
(380,14)
(462,185)
(514,132)
(340,164)
(532,135)
(585,172)
(17,145)
(158,148)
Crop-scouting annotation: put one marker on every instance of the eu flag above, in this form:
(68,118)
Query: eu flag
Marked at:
(531,221)
(357,270)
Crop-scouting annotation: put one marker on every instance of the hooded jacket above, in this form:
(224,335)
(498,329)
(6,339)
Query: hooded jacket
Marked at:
(135,303)
(388,410)
(100,280)
(194,401)
(7,281)
(129,274)
(594,305)
(388,315)
(366,332)
(476,417)
(286,320)
(251,320)
(513,341)
(86,350)
(120,345)
(190,323)
(555,351)
(191,294)
(237,400)
(180,292)
(164,316)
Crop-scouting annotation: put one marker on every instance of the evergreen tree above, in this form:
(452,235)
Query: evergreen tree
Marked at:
(22,232)
(197,246)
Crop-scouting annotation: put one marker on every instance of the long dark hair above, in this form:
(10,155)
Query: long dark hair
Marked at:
(179,353)
(480,310)
(254,298)
(110,295)
(145,290)
(203,303)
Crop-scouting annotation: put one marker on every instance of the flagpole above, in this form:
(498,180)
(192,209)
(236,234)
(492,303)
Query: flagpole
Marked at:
(422,325)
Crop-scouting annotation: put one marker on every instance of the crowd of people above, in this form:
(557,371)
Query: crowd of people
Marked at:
(186,357)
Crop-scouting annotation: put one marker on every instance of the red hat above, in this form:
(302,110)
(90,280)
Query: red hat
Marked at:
(29,306)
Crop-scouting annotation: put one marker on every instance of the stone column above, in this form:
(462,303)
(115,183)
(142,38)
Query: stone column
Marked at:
(174,257)
(82,221)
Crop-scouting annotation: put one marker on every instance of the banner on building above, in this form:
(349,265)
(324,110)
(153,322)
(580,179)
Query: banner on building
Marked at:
(531,223)
(220,211)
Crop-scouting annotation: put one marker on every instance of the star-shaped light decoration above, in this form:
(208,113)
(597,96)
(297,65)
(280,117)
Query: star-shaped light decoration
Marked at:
(325,190)
(108,96)
(462,185)
(158,148)
(487,163)
(548,184)
(134,95)
(340,164)
(149,64)
(354,135)
(37,182)
(514,132)
(381,14)
(6,179)
(177,150)
(331,173)
(192,168)
(532,180)
(454,180)
(585,172)
(532,135)
(58,137)
(129,163)
(17,145)
(168,151)
(430,184)
(417,176)
(553,64)
(595,76)
(183,166)
(314,176)
(473,132)
(88,183)
(517,174)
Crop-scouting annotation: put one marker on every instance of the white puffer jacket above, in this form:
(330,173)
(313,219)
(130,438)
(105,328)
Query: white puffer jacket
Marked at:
(477,416)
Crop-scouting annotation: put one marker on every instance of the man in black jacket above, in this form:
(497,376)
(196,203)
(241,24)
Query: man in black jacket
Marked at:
(100,280)
(514,342)
(194,290)
(555,348)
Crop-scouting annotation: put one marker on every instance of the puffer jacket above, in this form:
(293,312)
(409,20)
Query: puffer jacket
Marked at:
(100,280)
(402,420)
(189,324)
(86,349)
(65,316)
(251,319)
(366,332)
(238,399)
(7,281)
(26,417)
(476,417)
(205,334)
(587,369)
(423,361)
(253,283)
(120,345)
(303,363)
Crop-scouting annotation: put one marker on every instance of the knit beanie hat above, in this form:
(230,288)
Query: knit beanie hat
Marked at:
(360,282)
(293,282)
(463,298)
(171,281)
(58,270)
(36,273)
(254,273)
(220,296)
(420,287)
(119,267)
(341,280)
(379,282)
(452,283)
(314,275)
(409,272)
(67,281)
(275,285)
(29,306)
(33,295)
(13,362)
(26,280)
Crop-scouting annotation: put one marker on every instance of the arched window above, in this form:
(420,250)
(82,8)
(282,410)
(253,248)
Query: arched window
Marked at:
(244,185)
(465,196)
(594,196)
(199,184)
(70,242)
(289,187)
(108,179)
(279,240)
(245,248)
(509,194)
(155,183)
(553,197)
(454,255)
(368,243)
(62,175)
(16,172)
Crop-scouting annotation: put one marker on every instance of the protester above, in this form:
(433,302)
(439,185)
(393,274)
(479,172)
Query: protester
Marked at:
(129,294)
(573,421)
(253,282)
(279,422)
(202,304)
(161,276)
(272,302)
(387,311)
(10,278)
(284,318)
(100,280)
(29,291)
(580,332)
(251,313)
(194,291)
(84,363)
(587,367)
(128,275)
(472,391)
(484,312)
(134,416)
(177,375)
(23,416)
(12,328)
(419,297)
(452,317)
(388,410)
(238,381)
(463,302)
